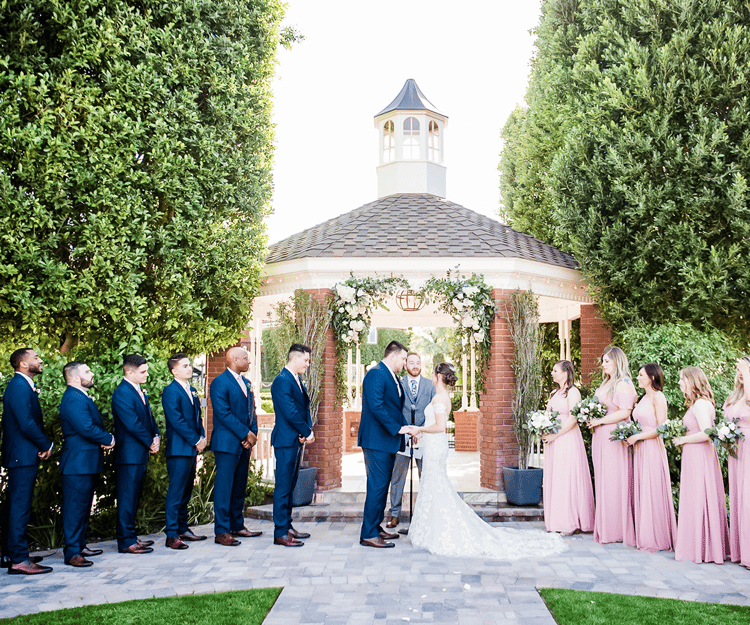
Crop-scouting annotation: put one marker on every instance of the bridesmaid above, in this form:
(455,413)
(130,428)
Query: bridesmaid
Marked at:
(655,522)
(613,522)
(702,534)
(568,496)
(736,407)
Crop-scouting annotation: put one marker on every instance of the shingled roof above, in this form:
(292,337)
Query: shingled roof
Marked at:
(406,225)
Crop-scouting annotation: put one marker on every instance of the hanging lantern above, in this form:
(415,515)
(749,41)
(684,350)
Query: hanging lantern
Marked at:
(410,301)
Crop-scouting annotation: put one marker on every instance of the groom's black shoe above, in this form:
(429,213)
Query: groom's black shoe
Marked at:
(387,536)
(298,535)
(375,542)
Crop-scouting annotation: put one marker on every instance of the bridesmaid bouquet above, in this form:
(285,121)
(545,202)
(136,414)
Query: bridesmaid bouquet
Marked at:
(542,422)
(726,433)
(589,408)
(624,430)
(671,428)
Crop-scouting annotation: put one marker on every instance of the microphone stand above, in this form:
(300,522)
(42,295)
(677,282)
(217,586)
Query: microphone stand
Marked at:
(405,531)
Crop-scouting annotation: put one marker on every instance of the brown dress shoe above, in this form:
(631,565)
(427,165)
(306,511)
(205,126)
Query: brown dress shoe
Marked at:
(226,540)
(28,568)
(88,553)
(36,559)
(136,548)
(375,542)
(287,541)
(293,533)
(174,542)
(144,543)
(79,561)
(392,522)
(190,536)
(246,533)
(387,536)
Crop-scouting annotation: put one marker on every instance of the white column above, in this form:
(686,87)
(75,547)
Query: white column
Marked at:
(473,399)
(561,336)
(464,402)
(358,369)
(349,389)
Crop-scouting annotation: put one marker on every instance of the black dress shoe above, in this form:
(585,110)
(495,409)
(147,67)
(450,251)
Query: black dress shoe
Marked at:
(246,533)
(190,536)
(375,542)
(226,540)
(295,534)
(28,568)
(79,561)
(174,542)
(86,552)
(287,541)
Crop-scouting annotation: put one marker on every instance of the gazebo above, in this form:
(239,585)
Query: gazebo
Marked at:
(413,232)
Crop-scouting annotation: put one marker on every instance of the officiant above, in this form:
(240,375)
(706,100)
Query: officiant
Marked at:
(418,393)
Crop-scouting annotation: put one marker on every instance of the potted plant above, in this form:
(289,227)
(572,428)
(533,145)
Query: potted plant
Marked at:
(523,484)
(304,320)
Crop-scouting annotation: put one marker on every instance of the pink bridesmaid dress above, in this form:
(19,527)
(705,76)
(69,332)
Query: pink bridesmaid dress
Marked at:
(568,496)
(653,508)
(702,534)
(613,522)
(739,488)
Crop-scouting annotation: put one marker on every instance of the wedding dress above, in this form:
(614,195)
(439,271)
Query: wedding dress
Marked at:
(445,525)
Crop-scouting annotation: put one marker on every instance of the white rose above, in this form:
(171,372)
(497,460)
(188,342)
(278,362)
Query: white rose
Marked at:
(475,325)
(357,326)
(467,321)
(723,431)
(341,309)
(479,336)
(458,303)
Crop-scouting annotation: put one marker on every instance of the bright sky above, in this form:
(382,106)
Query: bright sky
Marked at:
(471,60)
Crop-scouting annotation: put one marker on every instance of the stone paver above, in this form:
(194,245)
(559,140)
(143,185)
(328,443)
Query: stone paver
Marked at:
(332,580)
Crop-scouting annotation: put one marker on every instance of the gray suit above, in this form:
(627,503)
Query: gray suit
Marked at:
(425,393)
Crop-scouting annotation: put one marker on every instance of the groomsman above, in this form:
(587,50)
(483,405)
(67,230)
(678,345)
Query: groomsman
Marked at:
(137,437)
(418,393)
(186,438)
(292,429)
(24,444)
(234,434)
(82,459)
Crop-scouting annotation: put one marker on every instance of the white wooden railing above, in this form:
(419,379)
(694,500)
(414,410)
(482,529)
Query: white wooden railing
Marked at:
(263,455)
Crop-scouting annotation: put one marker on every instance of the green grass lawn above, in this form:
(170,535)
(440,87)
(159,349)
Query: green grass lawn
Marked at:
(241,607)
(576,607)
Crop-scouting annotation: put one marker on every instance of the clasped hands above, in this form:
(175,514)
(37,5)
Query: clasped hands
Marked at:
(249,440)
(411,430)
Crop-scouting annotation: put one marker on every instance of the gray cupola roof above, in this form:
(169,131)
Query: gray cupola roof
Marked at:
(410,98)
(415,225)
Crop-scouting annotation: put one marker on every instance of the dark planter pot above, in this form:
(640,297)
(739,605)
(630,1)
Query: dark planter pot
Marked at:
(303,492)
(523,487)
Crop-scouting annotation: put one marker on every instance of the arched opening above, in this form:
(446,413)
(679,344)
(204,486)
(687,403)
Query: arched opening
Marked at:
(411,138)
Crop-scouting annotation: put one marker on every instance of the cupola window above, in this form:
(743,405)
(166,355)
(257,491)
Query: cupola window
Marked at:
(434,144)
(389,142)
(411,138)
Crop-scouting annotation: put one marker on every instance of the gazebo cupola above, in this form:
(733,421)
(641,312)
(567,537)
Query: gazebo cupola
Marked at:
(411,133)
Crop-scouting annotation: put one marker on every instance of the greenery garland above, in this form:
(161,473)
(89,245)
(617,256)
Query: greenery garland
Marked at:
(351,307)
(469,301)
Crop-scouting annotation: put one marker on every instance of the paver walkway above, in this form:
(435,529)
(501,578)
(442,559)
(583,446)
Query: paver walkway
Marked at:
(332,580)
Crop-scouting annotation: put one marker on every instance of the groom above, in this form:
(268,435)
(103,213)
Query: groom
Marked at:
(382,418)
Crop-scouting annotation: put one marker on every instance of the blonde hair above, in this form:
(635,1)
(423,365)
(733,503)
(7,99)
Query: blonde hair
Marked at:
(697,386)
(739,388)
(622,369)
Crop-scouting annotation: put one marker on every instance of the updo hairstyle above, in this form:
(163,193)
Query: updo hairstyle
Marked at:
(447,373)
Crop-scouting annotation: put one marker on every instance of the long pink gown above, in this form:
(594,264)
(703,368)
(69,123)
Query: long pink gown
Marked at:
(568,496)
(702,534)
(613,522)
(739,487)
(653,508)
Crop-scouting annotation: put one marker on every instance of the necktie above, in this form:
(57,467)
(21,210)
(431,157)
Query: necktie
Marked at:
(241,382)
(140,392)
(414,389)
(187,390)
(299,383)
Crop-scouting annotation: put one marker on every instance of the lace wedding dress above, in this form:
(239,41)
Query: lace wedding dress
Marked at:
(445,525)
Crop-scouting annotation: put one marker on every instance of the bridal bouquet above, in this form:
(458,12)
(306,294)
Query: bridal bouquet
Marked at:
(589,408)
(671,428)
(624,430)
(541,422)
(726,433)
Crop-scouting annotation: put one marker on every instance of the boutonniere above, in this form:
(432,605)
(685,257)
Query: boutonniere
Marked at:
(146,395)
(36,390)
(194,393)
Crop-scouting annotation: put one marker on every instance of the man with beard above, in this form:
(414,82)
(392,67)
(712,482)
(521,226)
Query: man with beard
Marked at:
(24,444)
(418,393)
(82,459)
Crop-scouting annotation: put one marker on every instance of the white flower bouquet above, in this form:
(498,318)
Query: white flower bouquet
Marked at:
(671,428)
(587,409)
(726,433)
(541,422)
(624,430)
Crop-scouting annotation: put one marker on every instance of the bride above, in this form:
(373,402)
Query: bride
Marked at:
(443,523)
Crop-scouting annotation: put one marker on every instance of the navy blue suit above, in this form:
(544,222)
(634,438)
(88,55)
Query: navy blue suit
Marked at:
(233,418)
(184,430)
(135,429)
(81,460)
(23,439)
(382,418)
(292,407)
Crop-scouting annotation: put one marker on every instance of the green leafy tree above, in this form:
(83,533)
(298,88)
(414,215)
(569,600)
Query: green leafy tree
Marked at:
(135,168)
(649,177)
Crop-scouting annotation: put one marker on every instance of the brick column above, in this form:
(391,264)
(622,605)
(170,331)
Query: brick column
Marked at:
(325,453)
(498,447)
(595,338)
(215,365)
